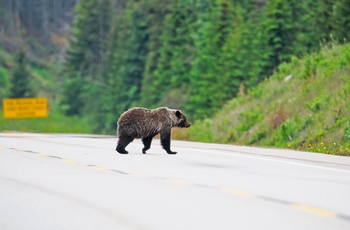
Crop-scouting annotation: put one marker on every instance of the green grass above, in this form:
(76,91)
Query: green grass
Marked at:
(309,112)
(55,123)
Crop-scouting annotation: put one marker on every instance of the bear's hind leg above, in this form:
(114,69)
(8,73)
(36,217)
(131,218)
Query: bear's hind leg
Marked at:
(147,143)
(122,143)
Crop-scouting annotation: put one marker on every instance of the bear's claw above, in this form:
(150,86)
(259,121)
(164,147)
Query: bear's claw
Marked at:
(170,152)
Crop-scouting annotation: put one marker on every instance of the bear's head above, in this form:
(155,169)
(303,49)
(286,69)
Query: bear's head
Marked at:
(181,120)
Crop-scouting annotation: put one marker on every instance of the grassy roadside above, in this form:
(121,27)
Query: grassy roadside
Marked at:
(304,105)
(55,123)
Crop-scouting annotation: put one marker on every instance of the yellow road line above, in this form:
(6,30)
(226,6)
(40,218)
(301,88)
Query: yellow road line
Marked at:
(97,167)
(314,210)
(70,161)
(18,149)
(237,192)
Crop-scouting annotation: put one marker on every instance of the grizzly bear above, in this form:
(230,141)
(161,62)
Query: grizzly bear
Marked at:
(145,124)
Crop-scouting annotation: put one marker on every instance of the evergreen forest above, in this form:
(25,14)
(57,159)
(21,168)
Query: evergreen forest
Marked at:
(94,59)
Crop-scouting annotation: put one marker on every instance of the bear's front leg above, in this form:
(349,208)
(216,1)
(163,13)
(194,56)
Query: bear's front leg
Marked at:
(165,136)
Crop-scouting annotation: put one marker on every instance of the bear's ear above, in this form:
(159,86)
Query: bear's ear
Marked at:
(178,113)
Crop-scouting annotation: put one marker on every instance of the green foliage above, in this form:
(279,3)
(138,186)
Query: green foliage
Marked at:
(135,50)
(126,61)
(232,71)
(324,24)
(288,116)
(347,131)
(201,131)
(203,98)
(279,24)
(90,32)
(152,89)
(318,104)
(85,56)
(285,133)
(4,83)
(55,123)
(21,80)
(341,19)
(259,136)
(3,77)
(72,102)
(248,118)
(176,53)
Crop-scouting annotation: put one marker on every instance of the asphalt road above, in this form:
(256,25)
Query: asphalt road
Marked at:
(50,181)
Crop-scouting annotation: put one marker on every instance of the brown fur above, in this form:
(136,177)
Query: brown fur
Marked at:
(145,124)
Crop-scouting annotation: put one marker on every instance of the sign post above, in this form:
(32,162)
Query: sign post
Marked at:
(25,108)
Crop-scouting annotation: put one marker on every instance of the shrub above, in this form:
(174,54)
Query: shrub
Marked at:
(201,131)
(248,119)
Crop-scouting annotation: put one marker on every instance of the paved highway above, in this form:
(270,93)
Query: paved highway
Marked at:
(50,181)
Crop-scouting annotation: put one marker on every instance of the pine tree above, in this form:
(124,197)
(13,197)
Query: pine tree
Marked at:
(132,50)
(172,75)
(308,37)
(136,51)
(21,86)
(110,108)
(225,21)
(156,13)
(279,26)
(85,57)
(231,59)
(341,19)
(126,58)
(203,98)
(323,23)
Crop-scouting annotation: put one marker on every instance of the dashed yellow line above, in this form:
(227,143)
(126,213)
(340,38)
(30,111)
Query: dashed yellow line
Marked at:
(237,192)
(314,210)
(42,155)
(18,149)
(70,161)
(97,167)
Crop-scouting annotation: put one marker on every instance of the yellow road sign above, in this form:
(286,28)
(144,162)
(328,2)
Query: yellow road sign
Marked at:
(25,108)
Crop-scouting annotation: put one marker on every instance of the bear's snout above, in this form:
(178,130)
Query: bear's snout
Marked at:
(185,124)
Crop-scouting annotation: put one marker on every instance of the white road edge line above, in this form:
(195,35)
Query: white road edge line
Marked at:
(268,158)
